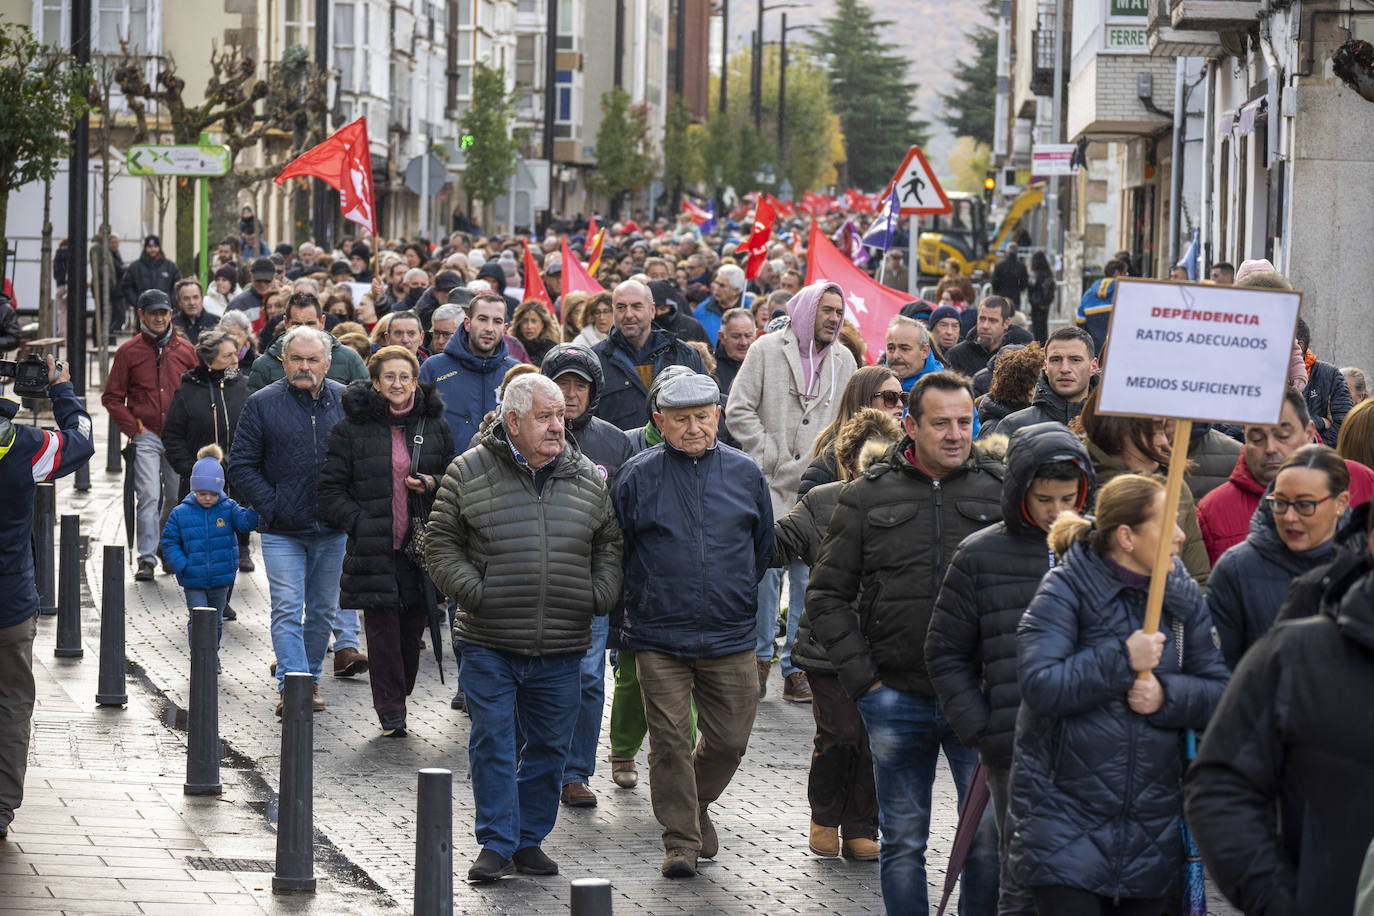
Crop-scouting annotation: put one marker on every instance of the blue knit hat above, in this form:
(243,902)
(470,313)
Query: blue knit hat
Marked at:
(943,312)
(208,474)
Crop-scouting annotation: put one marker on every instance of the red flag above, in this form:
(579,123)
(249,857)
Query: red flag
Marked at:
(758,239)
(594,250)
(343,162)
(591,226)
(575,276)
(699,215)
(534,284)
(868,304)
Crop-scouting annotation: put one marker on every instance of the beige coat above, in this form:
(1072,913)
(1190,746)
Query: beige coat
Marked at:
(774,424)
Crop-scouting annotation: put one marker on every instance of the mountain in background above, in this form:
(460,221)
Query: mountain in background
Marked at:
(933,34)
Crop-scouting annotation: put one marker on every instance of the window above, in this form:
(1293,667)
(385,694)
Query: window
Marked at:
(564,80)
(53,24)
(136,21)
(298,24)
(526,59)
(344,44)
(527,6)
(464,12)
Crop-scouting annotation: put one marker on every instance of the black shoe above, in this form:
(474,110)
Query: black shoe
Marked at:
(146,571)
(532,861)
(230,613)
(245,562)
(489,867)
(459,701)
(394,726)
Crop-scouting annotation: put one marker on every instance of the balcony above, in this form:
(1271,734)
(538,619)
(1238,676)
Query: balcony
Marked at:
(1042,68)
(1166,40)
(1213,15)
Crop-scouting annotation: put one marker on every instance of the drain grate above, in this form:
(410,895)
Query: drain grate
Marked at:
(209,863)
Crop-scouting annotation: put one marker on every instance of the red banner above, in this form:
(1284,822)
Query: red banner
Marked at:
(343,162)
(575,276)
(764,217)
(534,284)
(867,303)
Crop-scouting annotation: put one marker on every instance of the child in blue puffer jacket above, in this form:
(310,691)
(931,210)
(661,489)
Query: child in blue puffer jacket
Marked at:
(200,540)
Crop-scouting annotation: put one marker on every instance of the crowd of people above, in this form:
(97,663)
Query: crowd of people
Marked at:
(963,539)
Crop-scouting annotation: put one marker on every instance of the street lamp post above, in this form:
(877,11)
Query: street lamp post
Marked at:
(724,49)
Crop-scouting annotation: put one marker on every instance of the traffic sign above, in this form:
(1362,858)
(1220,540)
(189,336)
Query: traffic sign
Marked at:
(438,173)
(192,161)
(918,191)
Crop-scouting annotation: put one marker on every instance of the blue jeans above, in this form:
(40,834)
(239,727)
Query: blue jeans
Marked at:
(516,788)
(906,732)
(770,593)
(303,574)
(581,762)
(345,626)
(216,598)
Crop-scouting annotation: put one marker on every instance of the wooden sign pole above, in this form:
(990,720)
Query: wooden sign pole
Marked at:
(1178,460)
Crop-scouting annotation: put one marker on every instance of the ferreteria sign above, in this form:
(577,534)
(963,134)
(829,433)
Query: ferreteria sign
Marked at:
(1192,351)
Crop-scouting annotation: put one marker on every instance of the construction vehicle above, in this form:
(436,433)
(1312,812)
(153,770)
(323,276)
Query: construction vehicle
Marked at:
(963,233)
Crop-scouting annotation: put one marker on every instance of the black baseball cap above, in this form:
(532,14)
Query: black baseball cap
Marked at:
(154,300)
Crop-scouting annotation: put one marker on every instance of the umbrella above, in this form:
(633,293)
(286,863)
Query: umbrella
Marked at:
(970,814)
(431,604)
(128,452)
(1194,877)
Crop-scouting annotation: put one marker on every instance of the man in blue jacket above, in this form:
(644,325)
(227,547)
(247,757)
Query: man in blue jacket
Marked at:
(278,450)
(691,620)
(28,456)
(1095,308)
(633,355)
(468,373)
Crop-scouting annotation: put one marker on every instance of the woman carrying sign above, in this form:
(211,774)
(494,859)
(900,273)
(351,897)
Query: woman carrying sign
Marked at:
(1095,793)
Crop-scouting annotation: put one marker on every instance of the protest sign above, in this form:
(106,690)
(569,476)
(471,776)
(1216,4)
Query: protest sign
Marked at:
(1198,352)
(1194,352)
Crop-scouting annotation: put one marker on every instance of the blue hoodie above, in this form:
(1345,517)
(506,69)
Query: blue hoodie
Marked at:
(469,384)
(1095,310)
(932,365)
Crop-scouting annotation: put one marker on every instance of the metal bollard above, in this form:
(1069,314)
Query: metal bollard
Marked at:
(202,721)
(110,690)
(112,456)
(591,897)
(69,591)
(295,872)
(434,844)
(44,560)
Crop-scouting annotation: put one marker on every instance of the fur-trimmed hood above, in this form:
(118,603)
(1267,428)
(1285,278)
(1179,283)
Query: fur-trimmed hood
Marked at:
(364,404)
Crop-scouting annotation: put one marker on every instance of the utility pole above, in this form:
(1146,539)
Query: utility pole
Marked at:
(782,94)
(724,49)
(756,75)
(78,173)
(1056,236)
(550,95)
(320,223)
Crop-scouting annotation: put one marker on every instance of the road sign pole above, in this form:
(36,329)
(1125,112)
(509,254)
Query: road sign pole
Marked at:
(204,233)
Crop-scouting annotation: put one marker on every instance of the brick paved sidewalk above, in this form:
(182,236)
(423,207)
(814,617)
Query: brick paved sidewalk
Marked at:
(365,784)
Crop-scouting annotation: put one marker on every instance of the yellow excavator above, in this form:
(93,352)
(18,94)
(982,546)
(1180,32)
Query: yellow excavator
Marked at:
(963,236)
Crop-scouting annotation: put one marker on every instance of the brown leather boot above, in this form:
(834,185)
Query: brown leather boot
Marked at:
(824,841)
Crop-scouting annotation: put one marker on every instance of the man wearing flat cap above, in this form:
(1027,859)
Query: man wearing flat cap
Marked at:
(683,505)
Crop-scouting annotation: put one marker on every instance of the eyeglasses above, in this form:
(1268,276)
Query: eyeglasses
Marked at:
(889,398)
(1305,507)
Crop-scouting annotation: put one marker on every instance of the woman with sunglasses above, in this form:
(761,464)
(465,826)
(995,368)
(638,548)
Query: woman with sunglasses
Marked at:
(870,386)
(1292,531)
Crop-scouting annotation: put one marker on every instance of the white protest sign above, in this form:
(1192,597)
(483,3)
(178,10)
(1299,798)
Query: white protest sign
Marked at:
(1192,351)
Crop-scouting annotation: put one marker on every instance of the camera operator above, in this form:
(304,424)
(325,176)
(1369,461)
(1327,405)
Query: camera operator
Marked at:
(28,456)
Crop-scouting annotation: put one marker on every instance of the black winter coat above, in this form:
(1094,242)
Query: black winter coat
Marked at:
(971,646)
(204,409)
(355,486)
(821,470)
(798,535)
(1096,789)
(970,357)
(9,328)
(623,403)
(698,538)
(279,448)
(1348,562)
(1046,406)
(1295,727)
(149,273)
(528,567)
(1328,400)
(1249,582)
(1213,454)
(991,413)
(891,538)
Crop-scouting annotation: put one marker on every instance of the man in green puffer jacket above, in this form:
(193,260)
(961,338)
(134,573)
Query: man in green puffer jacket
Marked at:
(523,535)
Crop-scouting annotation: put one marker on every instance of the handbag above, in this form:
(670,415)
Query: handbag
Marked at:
(414,547)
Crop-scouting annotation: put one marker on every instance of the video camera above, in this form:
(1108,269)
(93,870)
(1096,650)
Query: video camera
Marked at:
(30,375)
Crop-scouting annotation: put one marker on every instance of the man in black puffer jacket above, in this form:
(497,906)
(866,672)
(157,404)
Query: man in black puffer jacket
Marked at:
(890,540)
(1328,398)
(524,536)
(971,646)
(634,354)
(576,370)
(1294,730)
